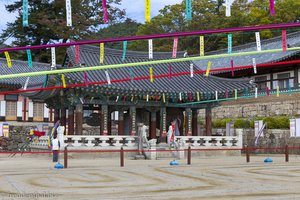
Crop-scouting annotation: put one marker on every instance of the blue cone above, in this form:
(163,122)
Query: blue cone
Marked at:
(268,160)
(58,166)
(173,162)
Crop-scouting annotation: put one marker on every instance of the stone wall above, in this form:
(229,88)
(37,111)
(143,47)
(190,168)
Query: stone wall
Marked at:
(261,107)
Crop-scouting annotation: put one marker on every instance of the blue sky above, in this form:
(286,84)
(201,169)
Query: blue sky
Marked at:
(134,10)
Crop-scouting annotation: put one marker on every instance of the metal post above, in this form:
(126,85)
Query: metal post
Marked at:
(189,156)
(122,157)
(247,155)
(286,153)
(65,157)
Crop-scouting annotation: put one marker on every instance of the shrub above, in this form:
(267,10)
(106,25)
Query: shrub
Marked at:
(241,123)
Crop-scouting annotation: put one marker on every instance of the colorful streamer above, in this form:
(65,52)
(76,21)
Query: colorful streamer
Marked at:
(68,12)
(284,43)
(107,77)
(53,58)
(29,58)
(150,45)
(77,54)
(258,44)
(147,11)
(272,8)
(188,10)
(25,13)
(226,93)
(45,81)
(192,69)
(208,68)
(175,43)
(170,72)
(9,65)
(228,8)
(164,98)
(26,83)
(124,50)
(268,91)
(105,15)
(147,97)
(180,97)
(229,43)
(232,68)
(101,53)
(255,95)
(235,94)
(216,94)
(151,74)
(277,91)
(201,45)
(254,65)
(198,96)
(63,80)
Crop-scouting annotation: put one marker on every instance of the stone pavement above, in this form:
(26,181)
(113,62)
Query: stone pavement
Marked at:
(33,177)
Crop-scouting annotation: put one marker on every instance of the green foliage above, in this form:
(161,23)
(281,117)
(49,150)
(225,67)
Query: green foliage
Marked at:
(220,123)
(242,123)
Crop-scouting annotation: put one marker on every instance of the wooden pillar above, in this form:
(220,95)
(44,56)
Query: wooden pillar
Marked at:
(195,122)
(271,81)
(188,122)
(208,123)
(104,122)
(71,121)
(109,122)
(79,119)
(56,115)
(163,125)
(121,122)
(153,125)
(132,120)
(296,77)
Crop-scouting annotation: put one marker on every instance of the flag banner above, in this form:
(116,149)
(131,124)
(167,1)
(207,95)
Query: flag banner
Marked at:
(170,72)
(63,80)
(150,44)
(216,95)
(25,13)
(69,12)
(208,68)
(190,96)
(124,50)
(228,8)
(29,58)
(147,97)
(229,43)
(101,53)
(254,65)
(77,54)
(175,44)
(198,96)
(284,44)
(277,91)
(105,15)
(235,94)
(272,8)
(26,83)
(258,45)
(188,10)
(45,81)
(147,10)
(268,91)
(232,68)
(132,97)
(164,98)
(192,69)
(117,99)
(107,77)
(256,89)
(226,93)
(180,98)
(151,74)
(201,45)
(7,59)
(53,58)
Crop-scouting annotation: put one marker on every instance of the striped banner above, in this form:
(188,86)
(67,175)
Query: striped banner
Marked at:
(201,45)
(105,15)
(228,8)
(29,58)
(208,68)
(101,53)
(107,77)
(77,54)
(68,12)
(151,74)
(124,50)
(175,44)
(53,58)
(147,11)
(192,69)
(229,43)
(284,44)
(25,13)
(188,10)
(150,45)
(9,65)
(258,45)
(254,65)
(63,80)
(272,8)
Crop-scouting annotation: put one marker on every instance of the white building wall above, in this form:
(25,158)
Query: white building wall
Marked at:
(19,109)
(30,109)
(2,108)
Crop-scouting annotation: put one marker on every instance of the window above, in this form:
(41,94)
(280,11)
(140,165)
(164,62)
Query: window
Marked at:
(261,82)
(11,110)
(38,111)
(11,97)
(284,80)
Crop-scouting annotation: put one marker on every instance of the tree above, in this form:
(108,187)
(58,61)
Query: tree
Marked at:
(47,22)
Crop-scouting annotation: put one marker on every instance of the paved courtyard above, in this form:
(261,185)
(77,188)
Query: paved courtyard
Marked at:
(33,177)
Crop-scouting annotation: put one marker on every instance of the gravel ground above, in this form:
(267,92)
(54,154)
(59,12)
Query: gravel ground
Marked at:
(34,177)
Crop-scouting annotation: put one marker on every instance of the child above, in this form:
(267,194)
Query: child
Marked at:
(55,147)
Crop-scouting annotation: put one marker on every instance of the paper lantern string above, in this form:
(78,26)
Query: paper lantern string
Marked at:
(69,13)
(101,53)
(29,58)
(63,80)
(284,43)
(188,10)
(77,54)
(105,15)
(9,65)
(124,50)
(201,45)
(229,43)
(25,13)
(175,43)
(150,45)
(147,11)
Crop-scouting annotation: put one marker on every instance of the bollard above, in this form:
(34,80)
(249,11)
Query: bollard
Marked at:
(247,155)
(122,157)
(65,157)
(286,153)
(189,155)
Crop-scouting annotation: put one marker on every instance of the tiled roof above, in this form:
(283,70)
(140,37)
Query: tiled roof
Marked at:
(293,40)
(90,56)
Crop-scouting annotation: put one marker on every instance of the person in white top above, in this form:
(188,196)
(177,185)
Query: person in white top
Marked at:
(55,148)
